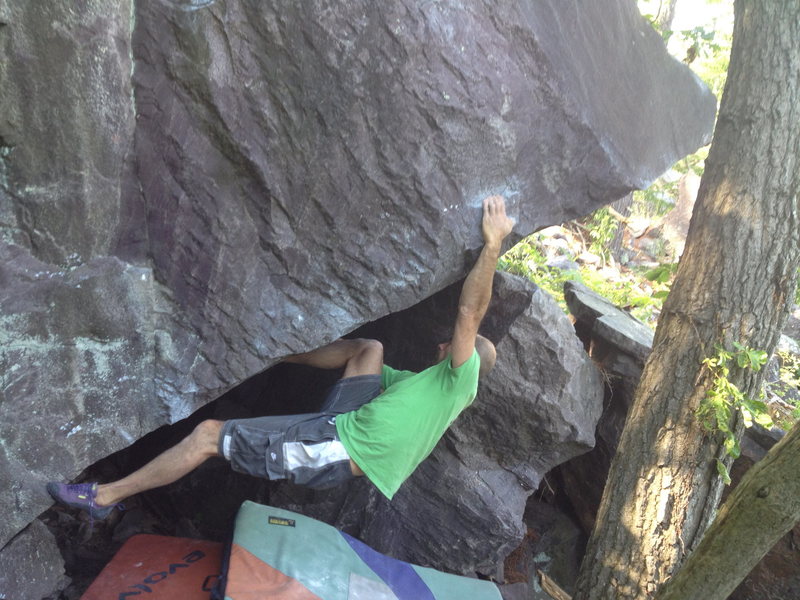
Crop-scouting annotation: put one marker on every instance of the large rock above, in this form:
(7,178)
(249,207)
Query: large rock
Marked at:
(31,565)
(75,341)
(542,402)
(256,178)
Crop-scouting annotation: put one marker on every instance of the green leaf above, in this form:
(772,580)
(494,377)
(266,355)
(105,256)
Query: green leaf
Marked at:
(765,420)
(661,273)
(723,472)
(722,354)
(748,418)
(756,406)
(732,447)
(758,358)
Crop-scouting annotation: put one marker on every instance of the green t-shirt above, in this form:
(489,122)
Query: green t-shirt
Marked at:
(389,436)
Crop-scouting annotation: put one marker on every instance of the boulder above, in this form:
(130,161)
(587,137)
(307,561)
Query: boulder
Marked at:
(31,564)
(74,340)
(554,545)
(541,404)
(598,319)
(250,179)
(619,345)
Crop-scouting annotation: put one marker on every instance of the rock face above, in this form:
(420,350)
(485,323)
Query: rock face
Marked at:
(186,196)
(31,565)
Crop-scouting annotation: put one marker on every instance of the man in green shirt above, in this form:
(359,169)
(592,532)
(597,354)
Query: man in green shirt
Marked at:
(375,421)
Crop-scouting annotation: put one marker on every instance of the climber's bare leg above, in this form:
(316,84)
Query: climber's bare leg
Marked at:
(358,357)
(167,467)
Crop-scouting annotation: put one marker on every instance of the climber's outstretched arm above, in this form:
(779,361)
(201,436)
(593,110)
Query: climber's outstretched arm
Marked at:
(477,290)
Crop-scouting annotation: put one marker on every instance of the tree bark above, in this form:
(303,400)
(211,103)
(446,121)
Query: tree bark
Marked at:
(666,14)
(735,283)
(623,207)
(763,507)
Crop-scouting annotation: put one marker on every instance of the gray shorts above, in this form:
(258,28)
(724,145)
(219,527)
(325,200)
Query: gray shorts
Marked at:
(304,449)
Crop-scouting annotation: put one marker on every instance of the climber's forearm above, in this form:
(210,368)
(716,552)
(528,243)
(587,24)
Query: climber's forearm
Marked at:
(477,291)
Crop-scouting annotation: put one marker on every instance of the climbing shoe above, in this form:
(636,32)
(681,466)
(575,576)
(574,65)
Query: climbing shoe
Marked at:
(81,496)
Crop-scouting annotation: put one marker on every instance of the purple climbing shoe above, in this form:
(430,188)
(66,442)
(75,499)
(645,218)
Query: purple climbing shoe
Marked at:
(81,496)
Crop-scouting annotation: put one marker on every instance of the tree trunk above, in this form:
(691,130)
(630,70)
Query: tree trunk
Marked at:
(735,283)
(623,207)
(666,14)
(763,507)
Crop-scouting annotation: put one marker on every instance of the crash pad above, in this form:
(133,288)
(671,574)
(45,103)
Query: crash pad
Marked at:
(277,554)
(157,567)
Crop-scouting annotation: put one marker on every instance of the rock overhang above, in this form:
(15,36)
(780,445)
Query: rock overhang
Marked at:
(284,174)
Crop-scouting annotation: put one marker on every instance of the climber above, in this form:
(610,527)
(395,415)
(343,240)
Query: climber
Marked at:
(375,421)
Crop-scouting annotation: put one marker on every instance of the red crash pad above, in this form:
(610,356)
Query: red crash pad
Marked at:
(158,567)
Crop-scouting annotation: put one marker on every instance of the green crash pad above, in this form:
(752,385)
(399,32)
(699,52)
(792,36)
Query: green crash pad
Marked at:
(276,554)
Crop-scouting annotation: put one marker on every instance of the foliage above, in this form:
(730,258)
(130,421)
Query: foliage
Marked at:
(602,228)
(699,42)
(705,47)
(724,399)
(627,288)
(797,289)
(662,274)
(628,292)
(657,200)
(526,260)
(785,388)
(704,44)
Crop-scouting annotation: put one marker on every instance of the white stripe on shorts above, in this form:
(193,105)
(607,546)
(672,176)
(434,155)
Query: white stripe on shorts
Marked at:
(314,456)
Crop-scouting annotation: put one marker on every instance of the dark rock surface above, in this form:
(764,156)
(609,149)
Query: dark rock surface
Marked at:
(76,342)
(257,178)
(544,398)
(554,544)
(31,566)
(599,319)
